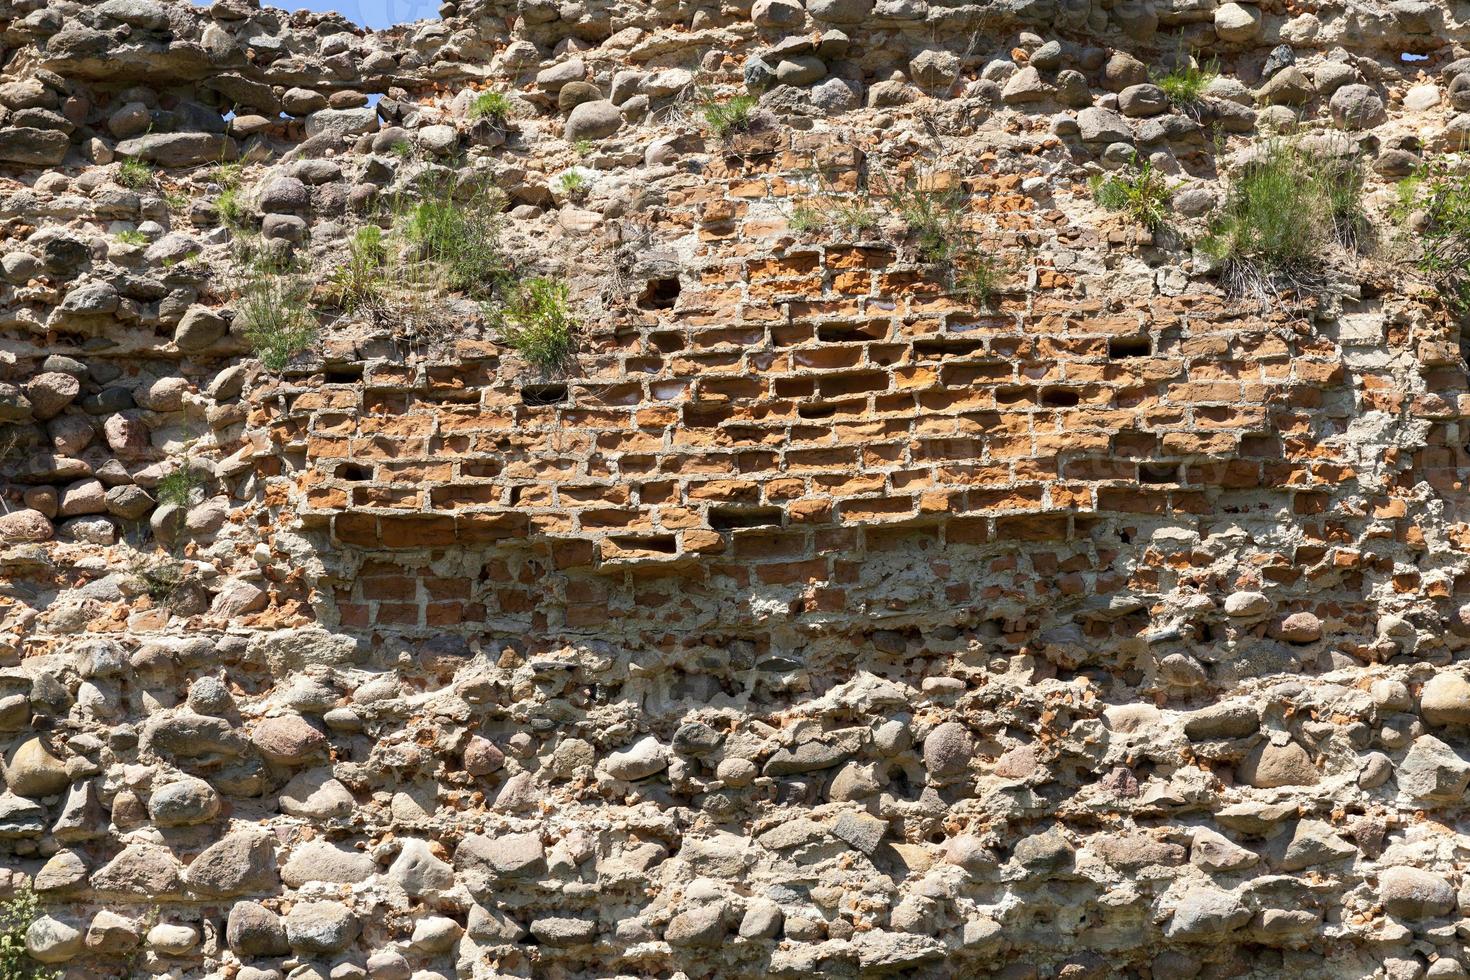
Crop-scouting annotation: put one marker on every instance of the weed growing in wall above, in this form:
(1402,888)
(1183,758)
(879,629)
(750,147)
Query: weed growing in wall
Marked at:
(1184,86)
(1139,191)
(728,117)
(1434,207)
(358,283)
(461,237)
(177,487)
(1283,213)
(134,173)
(278,322)
(538,324)
(493,107)
(16,915)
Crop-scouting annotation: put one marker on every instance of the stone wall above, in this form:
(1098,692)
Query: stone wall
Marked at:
(822,618)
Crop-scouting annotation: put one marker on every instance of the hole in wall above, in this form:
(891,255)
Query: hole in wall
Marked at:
(1060,397)
(543,394)
(730,518)
(354,472)
(1121,347)
(661,544)
(344,374)
(1158,473)
(659,294)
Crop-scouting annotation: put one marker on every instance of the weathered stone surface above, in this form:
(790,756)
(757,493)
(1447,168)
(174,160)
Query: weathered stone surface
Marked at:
(254,930)
(594,120)
(241,863)
(179,149)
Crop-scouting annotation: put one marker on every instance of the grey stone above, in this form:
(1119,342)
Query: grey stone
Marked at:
(1413,893)
(803,69)
(594,120)
(316,795)
(1142,100)
(840,11)
(1096,125)
(948,749)
(289,740)
(254,930)
(503,856)
(418,871)
(1315,843)
(1431,770)
(321,860)
(140,869)
(52,940)
(1234,719)
(242,862)
(1206,915)
(1269,766)
(644,758)
(337,124)
(29,146)
(560,931)
(319,928)
(179,149)
(187,800)
(1048,851)
(33,770)
(1357,107)
(935,69)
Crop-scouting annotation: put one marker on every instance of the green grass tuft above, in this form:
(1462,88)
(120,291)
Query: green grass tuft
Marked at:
(1185,85)
(278,323)
(539,324)
(1139,191)
(1283,213)
(358,284)
(461,237)
(493,106)
(177,487)
(732,116)
(135,173)
(132,236)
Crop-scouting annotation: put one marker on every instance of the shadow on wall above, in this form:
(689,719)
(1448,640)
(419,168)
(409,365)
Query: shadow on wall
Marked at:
(375,14)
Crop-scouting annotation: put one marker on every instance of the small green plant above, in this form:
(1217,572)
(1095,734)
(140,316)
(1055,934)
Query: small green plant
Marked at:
(976,277)
(1139,191)
(402,149)
(1434,208)
(358,284)
(16,915)
(493,106)
(1282,213)
(573,183)
(806,218)
(278,323)
(230,208)
(731,116)
(228,175)
(177,487)
(1184,86)
(538,324)
(176,200)
(132,236)
(935,216)
(461,237)
(134,173)
(583,148)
